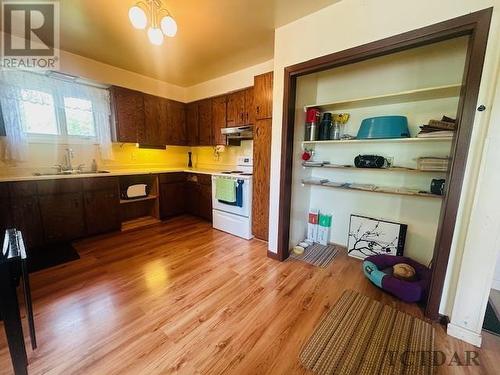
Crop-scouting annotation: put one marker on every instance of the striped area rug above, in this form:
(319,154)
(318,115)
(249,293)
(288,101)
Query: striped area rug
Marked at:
(364,337)
(317,255)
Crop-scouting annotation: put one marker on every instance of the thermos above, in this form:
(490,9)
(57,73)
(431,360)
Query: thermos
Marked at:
(311,126)
(325,127)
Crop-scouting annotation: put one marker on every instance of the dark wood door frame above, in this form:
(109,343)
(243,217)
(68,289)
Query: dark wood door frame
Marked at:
(476,26)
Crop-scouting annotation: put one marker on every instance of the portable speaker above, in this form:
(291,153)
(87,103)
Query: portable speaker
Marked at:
(370,161)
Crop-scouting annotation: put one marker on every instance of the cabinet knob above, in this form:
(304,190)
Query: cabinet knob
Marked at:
(258,109)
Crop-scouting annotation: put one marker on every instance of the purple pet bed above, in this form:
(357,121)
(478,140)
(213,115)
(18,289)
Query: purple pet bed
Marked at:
(409,291)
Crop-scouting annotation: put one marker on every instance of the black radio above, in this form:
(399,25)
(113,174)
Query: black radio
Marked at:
(370,161)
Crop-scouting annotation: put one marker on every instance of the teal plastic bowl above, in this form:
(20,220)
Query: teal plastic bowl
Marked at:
(384,127)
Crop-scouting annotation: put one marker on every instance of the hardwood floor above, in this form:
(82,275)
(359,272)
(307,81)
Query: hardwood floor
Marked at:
(181,297)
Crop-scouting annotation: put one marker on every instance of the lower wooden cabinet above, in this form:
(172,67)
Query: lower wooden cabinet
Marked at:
(205,202)
(192,198)
(26,218)
(172,202)
(102,211)
(62,216)
(5,214)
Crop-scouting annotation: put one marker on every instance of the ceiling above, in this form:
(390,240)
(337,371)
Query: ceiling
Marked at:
(215,37)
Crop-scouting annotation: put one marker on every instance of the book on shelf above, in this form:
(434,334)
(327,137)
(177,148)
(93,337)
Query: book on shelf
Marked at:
(436,134)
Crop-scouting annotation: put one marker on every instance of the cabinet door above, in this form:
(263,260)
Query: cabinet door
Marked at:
(155,121)
(102,211)
(263,96)
(176,123)
(5,214)
(261,178)
(172,202)
(205,202)
(128,107)
(192,198)
(236,109)
(62,217)
(26,218)
(218,119)
(192,124)
(205,122)
(249,106)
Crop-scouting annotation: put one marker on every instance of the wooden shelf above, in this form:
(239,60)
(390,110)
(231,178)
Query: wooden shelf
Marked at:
(148,198)
(352,167)
(139,222)
(378,189)
(428,93)
(385,140)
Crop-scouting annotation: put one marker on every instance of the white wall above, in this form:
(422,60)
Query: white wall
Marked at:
(230,82)
(496,276)
(361,21)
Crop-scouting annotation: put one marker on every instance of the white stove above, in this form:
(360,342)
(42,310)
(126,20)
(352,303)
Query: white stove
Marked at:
(235,217)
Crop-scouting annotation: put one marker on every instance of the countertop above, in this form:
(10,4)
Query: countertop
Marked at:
(120,172)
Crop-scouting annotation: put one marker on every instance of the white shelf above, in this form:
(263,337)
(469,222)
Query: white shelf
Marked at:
(377,189)
(385,140)
(436,92)
(391,169)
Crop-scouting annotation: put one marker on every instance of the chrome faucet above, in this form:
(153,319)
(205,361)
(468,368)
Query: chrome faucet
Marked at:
(69,155)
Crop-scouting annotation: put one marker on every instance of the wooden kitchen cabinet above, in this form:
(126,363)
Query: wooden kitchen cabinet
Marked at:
(176,123)
(192,197)
(25,212)
(205,122)
(218,120)
(236,109)
(172,195)
(62,216)
(5,214)
(261,178)
(128,109)
(240,108)
(192,131)
(154,132)
(205,202)
(263,96)
(101,200)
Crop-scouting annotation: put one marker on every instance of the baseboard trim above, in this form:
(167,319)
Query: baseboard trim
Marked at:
(464,334)
(274,256)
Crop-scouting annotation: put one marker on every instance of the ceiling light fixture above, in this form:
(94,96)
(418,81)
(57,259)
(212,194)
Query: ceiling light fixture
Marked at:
(160,20)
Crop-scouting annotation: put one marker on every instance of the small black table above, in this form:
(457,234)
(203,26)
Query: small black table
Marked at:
(13,268)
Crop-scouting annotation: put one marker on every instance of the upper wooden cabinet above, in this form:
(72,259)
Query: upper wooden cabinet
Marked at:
(263,96)
(176,123)
(240,108)
(154,132)
(192,131)
(128,108)
(218,120)
(205,122)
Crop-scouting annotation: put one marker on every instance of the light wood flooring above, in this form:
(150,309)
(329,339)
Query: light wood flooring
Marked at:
(181,297)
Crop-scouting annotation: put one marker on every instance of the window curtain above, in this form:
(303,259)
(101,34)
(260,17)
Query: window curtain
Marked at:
(13,84)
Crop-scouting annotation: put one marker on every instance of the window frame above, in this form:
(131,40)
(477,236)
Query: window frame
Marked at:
(62,136)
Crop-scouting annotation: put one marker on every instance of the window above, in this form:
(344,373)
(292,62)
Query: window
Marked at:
(41,115)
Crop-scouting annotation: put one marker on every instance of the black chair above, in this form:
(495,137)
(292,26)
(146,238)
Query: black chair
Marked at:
(13,268)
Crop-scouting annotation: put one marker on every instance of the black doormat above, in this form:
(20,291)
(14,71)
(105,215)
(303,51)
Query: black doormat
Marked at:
(491,322)
(51,256)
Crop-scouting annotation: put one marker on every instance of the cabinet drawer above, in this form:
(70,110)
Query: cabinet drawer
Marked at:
(100,183)
(167,178)
(59,186)
(22,189)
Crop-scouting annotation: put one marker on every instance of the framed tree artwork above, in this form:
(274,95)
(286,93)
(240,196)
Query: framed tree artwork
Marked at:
(369,236)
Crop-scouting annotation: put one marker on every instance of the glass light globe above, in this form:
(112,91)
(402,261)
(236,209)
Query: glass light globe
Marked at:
(168,26)
(137,17)
(155,36)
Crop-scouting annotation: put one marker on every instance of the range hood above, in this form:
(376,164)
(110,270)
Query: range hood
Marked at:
(238,132)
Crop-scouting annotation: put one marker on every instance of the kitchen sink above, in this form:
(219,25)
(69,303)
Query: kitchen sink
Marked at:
(68,173)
